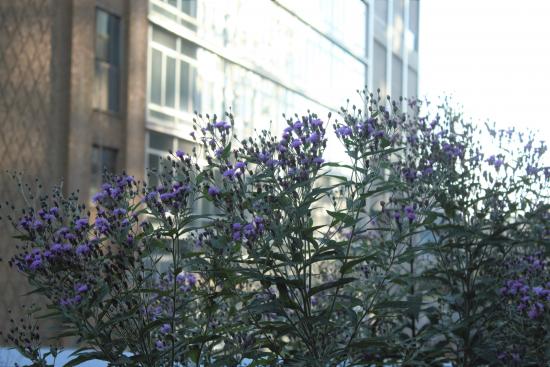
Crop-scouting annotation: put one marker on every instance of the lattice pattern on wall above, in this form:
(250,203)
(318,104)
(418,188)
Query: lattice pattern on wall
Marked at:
(25,117)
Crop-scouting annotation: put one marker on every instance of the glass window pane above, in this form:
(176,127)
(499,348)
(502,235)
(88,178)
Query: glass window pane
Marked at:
(188,48)
(113,91)
(107,55)
(184,86)
(114,40)
(160,141)
(153,161)
(156,76)
(412,84)
(170,82)
(164,38)
(101,84)
(397,77)
(379,69)
(185,146)
(102,35)
(381,9)
(189,7)
(153,165)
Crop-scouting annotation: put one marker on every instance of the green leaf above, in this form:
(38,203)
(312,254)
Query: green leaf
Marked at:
(329,285)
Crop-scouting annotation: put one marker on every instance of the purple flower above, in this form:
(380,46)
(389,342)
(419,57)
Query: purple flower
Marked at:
(298,125)
(213,191)
(191,279)
(249,230)
(229,173)
(263,156)
(36,225)
(236,226)
(102,225)
(318,160)
(240,165)
(343,131)
(427,171)
(316,122)
(165,329)
(37,263)
(410,213)
(160,345)
(82,249)
(314,138)
(491,160)
(296,143)
(181,155)
(531,170)
(81,223)
(119,212)
(80,288)
(535,310)
(236,236)
(220,124)
(151,195)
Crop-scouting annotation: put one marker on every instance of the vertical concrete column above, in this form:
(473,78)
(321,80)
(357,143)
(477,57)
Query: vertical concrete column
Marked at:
(79,144)
(137,88)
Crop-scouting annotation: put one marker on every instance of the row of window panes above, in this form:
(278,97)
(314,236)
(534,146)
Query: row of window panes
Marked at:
(172,71)
(251,97)
(189,7)
(183,12)
(279,43)
(346,21)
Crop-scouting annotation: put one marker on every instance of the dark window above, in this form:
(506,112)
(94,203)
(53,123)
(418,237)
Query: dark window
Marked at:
(107,62)
(103,160)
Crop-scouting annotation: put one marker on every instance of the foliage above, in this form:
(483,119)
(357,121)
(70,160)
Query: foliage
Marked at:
(416,250)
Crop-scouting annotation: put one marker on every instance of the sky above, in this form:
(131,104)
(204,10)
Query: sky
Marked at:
(491,56)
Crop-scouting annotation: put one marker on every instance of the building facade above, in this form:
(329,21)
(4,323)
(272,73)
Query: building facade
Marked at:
(93,84)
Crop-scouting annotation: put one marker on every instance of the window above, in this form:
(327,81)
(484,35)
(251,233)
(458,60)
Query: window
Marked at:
(103,160)
(173,76)
(397,77)
(379,70)
(107,62)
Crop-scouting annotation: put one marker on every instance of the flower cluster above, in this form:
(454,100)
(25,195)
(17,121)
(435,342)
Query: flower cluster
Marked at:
(408,212)
(234,171)
(529,287)
(495,161)
(248,232)
(110,193)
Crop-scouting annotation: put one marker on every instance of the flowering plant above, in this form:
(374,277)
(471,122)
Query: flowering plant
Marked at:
(389,257)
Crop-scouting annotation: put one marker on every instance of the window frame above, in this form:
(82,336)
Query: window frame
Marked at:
(109,66)
(176,113)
